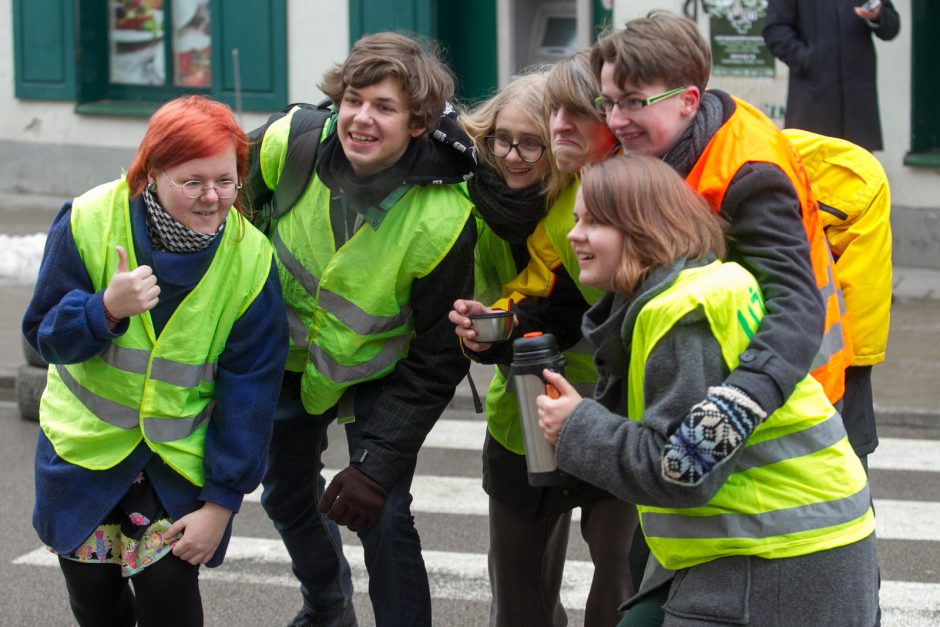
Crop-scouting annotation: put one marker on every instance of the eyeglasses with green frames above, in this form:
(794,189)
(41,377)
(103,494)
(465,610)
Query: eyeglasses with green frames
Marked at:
(632,104)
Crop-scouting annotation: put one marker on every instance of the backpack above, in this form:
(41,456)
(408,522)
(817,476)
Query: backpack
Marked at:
(302,146)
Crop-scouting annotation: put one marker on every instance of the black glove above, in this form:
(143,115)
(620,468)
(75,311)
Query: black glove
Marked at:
(353,499)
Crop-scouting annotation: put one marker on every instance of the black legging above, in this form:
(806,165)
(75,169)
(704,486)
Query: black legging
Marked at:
(165,593)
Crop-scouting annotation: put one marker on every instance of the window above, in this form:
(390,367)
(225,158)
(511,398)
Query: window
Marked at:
(925,126)
(143,34)
(148,51)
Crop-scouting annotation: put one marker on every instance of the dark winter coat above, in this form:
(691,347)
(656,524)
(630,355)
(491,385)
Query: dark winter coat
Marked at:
(833,68)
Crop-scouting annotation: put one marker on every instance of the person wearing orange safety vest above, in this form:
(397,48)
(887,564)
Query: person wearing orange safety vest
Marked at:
(748,136)
(653,76)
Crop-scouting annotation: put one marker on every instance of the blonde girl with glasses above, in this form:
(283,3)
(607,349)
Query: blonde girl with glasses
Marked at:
(516,182)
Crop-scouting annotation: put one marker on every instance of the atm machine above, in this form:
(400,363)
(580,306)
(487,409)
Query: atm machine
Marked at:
(531,33)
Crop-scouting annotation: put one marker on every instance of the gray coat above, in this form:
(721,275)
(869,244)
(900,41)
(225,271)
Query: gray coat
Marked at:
(833,70)
(597,444)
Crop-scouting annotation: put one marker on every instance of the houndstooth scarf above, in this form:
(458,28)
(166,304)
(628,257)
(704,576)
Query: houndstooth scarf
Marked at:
(167,233)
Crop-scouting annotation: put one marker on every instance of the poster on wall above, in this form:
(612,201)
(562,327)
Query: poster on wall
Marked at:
(138,42)
(192,43)
(738,48)
(137,46)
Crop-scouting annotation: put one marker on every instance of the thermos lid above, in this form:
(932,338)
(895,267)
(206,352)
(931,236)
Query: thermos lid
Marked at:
(535,345)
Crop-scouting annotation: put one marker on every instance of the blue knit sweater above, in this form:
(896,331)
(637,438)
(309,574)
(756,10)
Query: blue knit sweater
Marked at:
(65,323)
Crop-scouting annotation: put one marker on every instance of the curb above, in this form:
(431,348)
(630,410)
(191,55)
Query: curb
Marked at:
(7,381)
(907,417)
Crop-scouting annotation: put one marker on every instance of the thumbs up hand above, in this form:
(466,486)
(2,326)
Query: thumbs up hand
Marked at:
(130,293)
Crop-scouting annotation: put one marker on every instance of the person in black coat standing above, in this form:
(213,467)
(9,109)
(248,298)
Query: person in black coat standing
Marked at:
(833,69)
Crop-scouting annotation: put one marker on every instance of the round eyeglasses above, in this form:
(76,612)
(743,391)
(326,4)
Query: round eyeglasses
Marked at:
(225,188)
(528,150)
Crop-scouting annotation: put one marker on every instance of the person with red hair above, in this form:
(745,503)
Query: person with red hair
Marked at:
(160,313)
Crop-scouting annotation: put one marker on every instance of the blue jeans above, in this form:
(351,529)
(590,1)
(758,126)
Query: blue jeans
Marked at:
(293,484)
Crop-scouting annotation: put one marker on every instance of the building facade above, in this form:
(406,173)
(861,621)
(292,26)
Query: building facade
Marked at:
(79,78)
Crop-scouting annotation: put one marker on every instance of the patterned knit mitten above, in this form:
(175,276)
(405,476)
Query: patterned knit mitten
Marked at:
(709,434)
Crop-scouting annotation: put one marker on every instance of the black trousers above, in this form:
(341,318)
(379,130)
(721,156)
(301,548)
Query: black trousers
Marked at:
(164,594)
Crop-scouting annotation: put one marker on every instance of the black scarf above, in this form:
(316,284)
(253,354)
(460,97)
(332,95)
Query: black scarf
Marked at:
(511,213)
(167,233)
(361,191)
(708,119)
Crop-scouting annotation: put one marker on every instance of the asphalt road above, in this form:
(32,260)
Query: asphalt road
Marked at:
(255,588)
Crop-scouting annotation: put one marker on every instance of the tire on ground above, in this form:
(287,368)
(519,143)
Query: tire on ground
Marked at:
(32,357)
(28,387)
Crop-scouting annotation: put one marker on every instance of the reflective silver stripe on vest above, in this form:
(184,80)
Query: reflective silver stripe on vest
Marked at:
(805,442)
(829,288)
(344,310)
(358,320)
(182,375)
(133,360)
(832,343)
(104,409)
(296,269)
(172,429)
(123,417)
(390,353)
(764,525)
(841,300)
(296,328)
(830,272)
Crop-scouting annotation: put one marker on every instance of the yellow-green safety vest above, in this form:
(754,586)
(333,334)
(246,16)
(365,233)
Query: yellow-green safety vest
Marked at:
(144,387)
(349,309)
(797,488)
(558,223)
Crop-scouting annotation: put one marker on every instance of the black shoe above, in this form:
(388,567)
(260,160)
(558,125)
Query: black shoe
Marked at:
(345,618)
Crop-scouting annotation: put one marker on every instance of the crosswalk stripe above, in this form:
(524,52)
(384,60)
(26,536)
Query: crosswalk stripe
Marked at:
(453,575)
(434,494)
(907,520)
(463,576)
(466,435)
(906,454)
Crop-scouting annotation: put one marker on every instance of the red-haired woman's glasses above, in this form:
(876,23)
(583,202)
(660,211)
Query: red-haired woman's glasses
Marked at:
(225,188)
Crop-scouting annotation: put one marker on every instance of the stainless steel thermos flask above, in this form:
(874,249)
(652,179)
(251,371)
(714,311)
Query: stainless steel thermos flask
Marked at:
(531,354)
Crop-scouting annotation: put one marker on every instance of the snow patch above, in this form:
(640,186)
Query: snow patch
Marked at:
(19,258)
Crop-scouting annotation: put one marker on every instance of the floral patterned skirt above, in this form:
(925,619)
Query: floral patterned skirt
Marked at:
(132,535)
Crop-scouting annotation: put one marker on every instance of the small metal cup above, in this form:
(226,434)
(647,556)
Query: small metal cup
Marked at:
(492,327)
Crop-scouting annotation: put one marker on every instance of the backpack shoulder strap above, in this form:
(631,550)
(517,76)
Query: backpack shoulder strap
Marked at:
(302,146)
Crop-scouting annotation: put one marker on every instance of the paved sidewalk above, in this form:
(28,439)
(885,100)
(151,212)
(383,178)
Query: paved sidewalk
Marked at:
(906,385)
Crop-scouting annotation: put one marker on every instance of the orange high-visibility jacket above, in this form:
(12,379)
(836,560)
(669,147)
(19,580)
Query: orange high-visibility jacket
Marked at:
(749,136)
